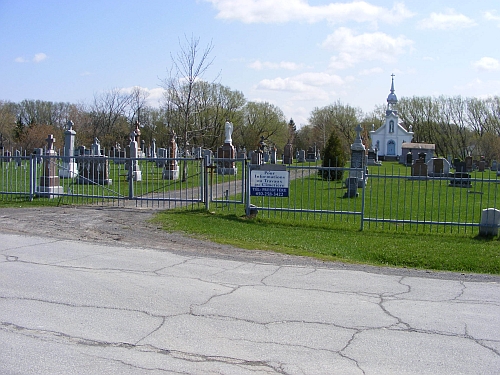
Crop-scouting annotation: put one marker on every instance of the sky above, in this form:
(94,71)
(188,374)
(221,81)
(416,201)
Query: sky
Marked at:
(296,54)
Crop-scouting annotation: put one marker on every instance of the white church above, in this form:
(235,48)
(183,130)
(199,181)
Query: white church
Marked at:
(389,138)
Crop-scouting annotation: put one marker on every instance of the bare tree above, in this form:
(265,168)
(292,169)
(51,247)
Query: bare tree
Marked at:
(188,67)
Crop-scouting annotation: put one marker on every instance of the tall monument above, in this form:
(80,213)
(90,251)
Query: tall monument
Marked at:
(227,152)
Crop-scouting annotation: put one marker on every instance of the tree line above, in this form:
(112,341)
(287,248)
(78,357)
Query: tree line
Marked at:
(196,111)
(457,126)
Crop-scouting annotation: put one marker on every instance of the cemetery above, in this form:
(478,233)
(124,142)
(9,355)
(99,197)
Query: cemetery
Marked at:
(385,180)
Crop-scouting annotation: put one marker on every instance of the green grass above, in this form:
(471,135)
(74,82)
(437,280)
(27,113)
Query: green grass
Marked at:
(325,236)
(342,242)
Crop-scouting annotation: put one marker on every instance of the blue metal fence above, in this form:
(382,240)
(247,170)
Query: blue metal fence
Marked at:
(391,197)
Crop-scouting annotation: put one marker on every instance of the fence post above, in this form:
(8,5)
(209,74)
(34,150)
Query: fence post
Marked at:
(130,179)
(207,199)
(32,176)
(247,195)
(363,205)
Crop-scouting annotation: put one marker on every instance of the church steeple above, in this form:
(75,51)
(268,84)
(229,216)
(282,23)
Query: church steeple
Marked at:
(392,99)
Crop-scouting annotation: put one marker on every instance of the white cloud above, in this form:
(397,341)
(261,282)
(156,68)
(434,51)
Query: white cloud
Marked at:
(369,46)
(39,57)
(259,65)
(487,64)
(154,95)
(280,11)
(450,20)
(491,15)
(367,72)
(306,86)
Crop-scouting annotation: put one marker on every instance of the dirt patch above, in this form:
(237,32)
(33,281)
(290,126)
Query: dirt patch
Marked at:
(131,227)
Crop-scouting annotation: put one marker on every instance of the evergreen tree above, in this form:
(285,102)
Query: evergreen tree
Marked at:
(333,156)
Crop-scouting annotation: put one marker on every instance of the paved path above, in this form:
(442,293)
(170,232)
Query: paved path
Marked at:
(74,307)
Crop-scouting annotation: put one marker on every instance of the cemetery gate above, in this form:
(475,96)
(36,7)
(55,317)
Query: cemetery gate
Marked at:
(391,198)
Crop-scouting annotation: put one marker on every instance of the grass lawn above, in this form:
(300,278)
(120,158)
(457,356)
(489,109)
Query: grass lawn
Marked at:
(335,241)
(389,195)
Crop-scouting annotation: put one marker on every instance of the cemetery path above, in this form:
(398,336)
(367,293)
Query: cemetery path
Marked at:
(131,227)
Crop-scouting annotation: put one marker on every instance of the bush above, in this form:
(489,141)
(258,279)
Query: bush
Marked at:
(333,156)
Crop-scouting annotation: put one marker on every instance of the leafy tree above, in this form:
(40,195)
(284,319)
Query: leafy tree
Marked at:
(337,116)
(261,120)
(334,155)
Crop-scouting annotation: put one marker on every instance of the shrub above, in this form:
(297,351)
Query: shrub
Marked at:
(333,156)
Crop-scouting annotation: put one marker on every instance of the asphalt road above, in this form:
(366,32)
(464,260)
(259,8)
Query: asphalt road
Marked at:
(83,307)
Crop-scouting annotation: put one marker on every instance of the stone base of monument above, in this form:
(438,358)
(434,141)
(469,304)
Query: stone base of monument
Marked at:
(227,171)
(460,179)
(360,176)
(352,187)
(171,174)
(49,191)
(68,170)
(490,222)
(136,176)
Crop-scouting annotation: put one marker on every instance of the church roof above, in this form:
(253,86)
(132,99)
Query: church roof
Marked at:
(419,146)
(392,98)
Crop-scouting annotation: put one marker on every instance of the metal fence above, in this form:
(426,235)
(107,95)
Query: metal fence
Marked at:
(391,197)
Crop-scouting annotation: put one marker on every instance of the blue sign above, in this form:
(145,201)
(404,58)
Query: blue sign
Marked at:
(269,183)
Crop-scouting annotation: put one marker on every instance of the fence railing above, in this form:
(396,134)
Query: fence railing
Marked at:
(391,197)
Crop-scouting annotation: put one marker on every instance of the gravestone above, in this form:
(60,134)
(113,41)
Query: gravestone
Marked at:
(18,158)
(152,153)
(373,157)
(227,152)
(171,167)
(38,152)
(96,147)
(134,170)
(288,153)
(460,179)
(49,186)
(409,159)
(481,166)
(197,153)
(438,167)
(69,168)
(273,155)
(266,156)
(358,159)
(468,164)
(93,167)
(490,222)
(162,154)
(301,158)
(311,155)
(242,154)
(256,157)
(419,168)
(494,165)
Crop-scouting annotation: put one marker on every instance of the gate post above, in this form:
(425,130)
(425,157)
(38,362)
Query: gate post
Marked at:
(205,162)
(247,195)
(32,176)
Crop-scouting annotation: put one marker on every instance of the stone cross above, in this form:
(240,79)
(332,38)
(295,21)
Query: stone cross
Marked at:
(358,129)
(50,142)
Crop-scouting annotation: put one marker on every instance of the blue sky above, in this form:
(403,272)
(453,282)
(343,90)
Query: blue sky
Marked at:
(296,54)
